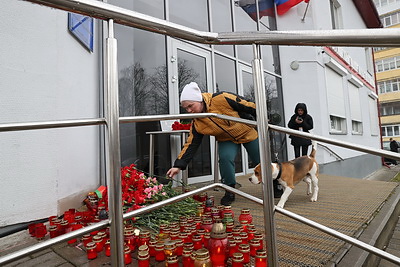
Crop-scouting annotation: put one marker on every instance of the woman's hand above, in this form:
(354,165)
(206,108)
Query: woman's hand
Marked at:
(172,172)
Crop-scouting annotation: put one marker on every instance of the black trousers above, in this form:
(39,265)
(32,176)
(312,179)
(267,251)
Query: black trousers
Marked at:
(304,151)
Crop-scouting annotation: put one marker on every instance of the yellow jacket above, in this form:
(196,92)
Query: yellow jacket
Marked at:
(220,103)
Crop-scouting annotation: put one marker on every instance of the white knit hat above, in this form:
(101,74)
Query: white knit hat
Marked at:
(191,92)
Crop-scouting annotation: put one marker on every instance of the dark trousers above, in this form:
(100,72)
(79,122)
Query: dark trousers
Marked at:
(304,151)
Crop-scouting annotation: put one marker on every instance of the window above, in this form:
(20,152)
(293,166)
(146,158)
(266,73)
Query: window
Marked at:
(387,64)
(336,14)
(355,109)
(389,86)
(336,107)
(82,28)
(388,109)
(373,115)
(390,130)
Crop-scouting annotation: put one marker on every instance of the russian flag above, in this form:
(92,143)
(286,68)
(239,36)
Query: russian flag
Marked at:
(266,8)
(282,6)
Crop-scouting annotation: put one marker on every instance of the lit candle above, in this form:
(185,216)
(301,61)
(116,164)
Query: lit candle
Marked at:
(143,259)
(99,243)
(245,250)
(261,258)
(218,245)
(202,258)
(237,260)
(160,255)
(127,255)
(107,248)
(169,248)
(91,250)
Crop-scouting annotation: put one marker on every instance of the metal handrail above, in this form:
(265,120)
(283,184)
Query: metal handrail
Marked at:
(331,152)
(97,9)
(388,37)
(102,224)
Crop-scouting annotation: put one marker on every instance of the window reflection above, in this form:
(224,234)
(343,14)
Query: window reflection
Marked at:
(225,73)
(222,22)
(190,13)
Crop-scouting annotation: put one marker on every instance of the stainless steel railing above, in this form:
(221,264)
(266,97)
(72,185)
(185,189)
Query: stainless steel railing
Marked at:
(104,11)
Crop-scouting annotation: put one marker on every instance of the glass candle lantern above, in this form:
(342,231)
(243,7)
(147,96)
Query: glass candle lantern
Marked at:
(237,260)
(187,261)
(143,248)
(250,233)
(260,237)
(227,209)
(91,250)
(254,246)
(40,231)
(237,229)
(107,248)
(144,238)
(152,246)
(229,227)
(244,225)
(227,218)
(218,245)
(179,247)
(261,258)
(172,261)
(200,210)
(127,255)
(169,248)
(64,227)
(245,250)
(174,235)
(53,231)
(31,229)
(232,248)
(160,255)
(86,238)
(197,242)
(207,224)
(246,216)
(197,222)
(244,237)
(188,245)
(206,239)
(202,258)
(130,238)
(143,259)
(99,243)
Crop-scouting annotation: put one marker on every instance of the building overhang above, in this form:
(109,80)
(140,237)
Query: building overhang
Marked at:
(368,13)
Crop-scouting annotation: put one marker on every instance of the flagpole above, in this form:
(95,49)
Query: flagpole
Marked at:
(305,12)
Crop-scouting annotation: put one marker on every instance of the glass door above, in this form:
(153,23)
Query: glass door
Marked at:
(192,64)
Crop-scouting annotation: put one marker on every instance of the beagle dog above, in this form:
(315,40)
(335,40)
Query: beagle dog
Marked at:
(291,172)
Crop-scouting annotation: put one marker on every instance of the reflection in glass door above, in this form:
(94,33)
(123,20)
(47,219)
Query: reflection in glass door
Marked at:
(193,64)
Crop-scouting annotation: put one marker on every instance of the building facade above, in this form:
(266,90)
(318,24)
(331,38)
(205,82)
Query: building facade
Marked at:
(387,62)
(50,72)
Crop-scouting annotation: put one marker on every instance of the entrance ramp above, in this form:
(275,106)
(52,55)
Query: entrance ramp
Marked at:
(344,204)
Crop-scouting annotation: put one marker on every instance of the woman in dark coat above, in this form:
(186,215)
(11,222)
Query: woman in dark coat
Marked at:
(300,121)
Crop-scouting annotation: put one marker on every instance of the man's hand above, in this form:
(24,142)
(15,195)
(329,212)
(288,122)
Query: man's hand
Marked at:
(172,172)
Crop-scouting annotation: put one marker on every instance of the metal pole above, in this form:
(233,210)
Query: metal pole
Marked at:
(265,157)
(151,155)
(216,169)
(114,155)
(185,173)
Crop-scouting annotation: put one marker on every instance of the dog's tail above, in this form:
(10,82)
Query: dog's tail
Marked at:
(314,149)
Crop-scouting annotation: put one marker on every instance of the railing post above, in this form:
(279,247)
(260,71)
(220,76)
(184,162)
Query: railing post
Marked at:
(114,155)
(265,157)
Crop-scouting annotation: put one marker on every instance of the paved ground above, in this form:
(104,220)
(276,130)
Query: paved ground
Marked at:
(313,248)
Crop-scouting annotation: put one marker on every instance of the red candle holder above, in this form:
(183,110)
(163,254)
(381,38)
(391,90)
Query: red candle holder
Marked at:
(169,249)
(130,239)
(233,248)
(245,250)
(187,259)
(86,238)
(237,260)
(172,261)
(40,231)
(244,225)
(99,243)
(73,228)
(244,237)
(91,251)
(107,248)
(206,239)
(207,224)
(250,233)
(160,255)
(179,247)
(261,258)
(254,246)
(197,242)
(246,216)
(127,255)
(143,259)
(144,237)
(260,237)
(152,246)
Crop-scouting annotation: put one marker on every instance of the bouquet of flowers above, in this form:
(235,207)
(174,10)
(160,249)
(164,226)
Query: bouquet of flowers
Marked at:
(139,191)
(180,126)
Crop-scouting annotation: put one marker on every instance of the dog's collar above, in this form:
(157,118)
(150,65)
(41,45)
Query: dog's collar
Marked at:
(280,170)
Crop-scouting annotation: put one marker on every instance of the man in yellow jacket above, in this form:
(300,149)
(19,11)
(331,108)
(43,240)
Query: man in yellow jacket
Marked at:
(230,135)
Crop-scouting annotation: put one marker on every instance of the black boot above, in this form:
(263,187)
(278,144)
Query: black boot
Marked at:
(228,198)
(278,190)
